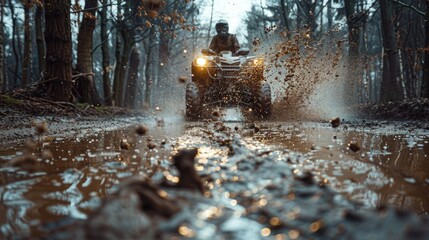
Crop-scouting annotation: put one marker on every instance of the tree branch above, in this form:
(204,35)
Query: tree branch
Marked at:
(409,6)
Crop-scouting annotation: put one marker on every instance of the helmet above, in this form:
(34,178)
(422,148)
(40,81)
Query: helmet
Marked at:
(222,28)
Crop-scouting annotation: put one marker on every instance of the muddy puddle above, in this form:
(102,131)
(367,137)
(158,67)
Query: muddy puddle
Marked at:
(390,168)
(71,176)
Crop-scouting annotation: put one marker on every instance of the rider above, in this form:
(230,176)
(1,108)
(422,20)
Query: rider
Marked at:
(224,41)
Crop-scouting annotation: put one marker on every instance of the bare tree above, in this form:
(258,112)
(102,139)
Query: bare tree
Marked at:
(40,40)
(425,83)
(85,86)
(121,69)
(285,14)
(58,77)
(131,90)
(15,45)
(124,44)
(353,27)
(210,24)
(105,55)
(27,59)
(391,88)
(118,49)
(3,68)
(152,58)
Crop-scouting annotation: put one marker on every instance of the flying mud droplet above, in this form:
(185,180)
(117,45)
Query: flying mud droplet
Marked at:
(141,130)
(41,128)
(160,122)
(183,79)
(216,114)
(354,147)
(335,122)
(152,14)
(124,144)
(256,129)
(256,42)
(151,145)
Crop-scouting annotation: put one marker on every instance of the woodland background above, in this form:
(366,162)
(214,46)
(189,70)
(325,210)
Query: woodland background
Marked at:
(130,53)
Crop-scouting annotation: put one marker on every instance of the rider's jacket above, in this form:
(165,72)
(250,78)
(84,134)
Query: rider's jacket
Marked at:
(228,43)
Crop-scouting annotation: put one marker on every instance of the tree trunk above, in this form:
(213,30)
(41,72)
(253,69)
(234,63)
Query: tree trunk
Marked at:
(58,77)
(85,86)
(105,55)
(391,89)
(330,15)
(310,10)
(354,75)
(40,40)
(210,25)
(3,66)
(155,42)
(118,64)
(121,67)
(152,60)
(164,57)
(285,15)
(148,79)
(27,60)
(353,27)
(425,83)
(132,78)
(15,51)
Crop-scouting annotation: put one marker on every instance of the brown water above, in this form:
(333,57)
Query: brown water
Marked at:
(389,168)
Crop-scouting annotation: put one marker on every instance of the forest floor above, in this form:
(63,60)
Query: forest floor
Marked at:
(17,110)
(23,118)
(20,116)
(226,200)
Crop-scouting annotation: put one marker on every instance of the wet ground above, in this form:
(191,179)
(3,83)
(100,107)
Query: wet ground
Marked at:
(248,170)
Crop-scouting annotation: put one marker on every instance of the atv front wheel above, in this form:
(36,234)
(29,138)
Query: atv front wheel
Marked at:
(193,102)
(262,101)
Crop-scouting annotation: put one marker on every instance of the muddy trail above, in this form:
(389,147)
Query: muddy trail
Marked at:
(219,180)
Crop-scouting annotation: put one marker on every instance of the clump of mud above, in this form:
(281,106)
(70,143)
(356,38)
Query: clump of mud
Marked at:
(309,77)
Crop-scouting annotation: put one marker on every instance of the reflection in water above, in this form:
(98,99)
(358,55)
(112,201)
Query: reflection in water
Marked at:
(388,170)
(77,174)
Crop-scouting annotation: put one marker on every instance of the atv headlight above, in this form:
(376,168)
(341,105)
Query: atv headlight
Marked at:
(201,62)
(256,62)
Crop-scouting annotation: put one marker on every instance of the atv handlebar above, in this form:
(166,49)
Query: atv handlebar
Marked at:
(210,52)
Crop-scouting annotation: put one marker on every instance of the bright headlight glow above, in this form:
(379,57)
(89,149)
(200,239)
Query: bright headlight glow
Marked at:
(256,62)
(201,62)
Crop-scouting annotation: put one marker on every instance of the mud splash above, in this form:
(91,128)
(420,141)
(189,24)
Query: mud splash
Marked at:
(310,78)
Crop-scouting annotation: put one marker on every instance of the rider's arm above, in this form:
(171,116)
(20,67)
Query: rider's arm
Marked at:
(235,43)
(213,44)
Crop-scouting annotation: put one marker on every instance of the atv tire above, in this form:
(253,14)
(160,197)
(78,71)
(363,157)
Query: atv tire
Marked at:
(193,102)
(262,101)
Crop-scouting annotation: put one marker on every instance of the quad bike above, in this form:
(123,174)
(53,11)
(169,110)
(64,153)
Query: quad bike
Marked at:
(225,80)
